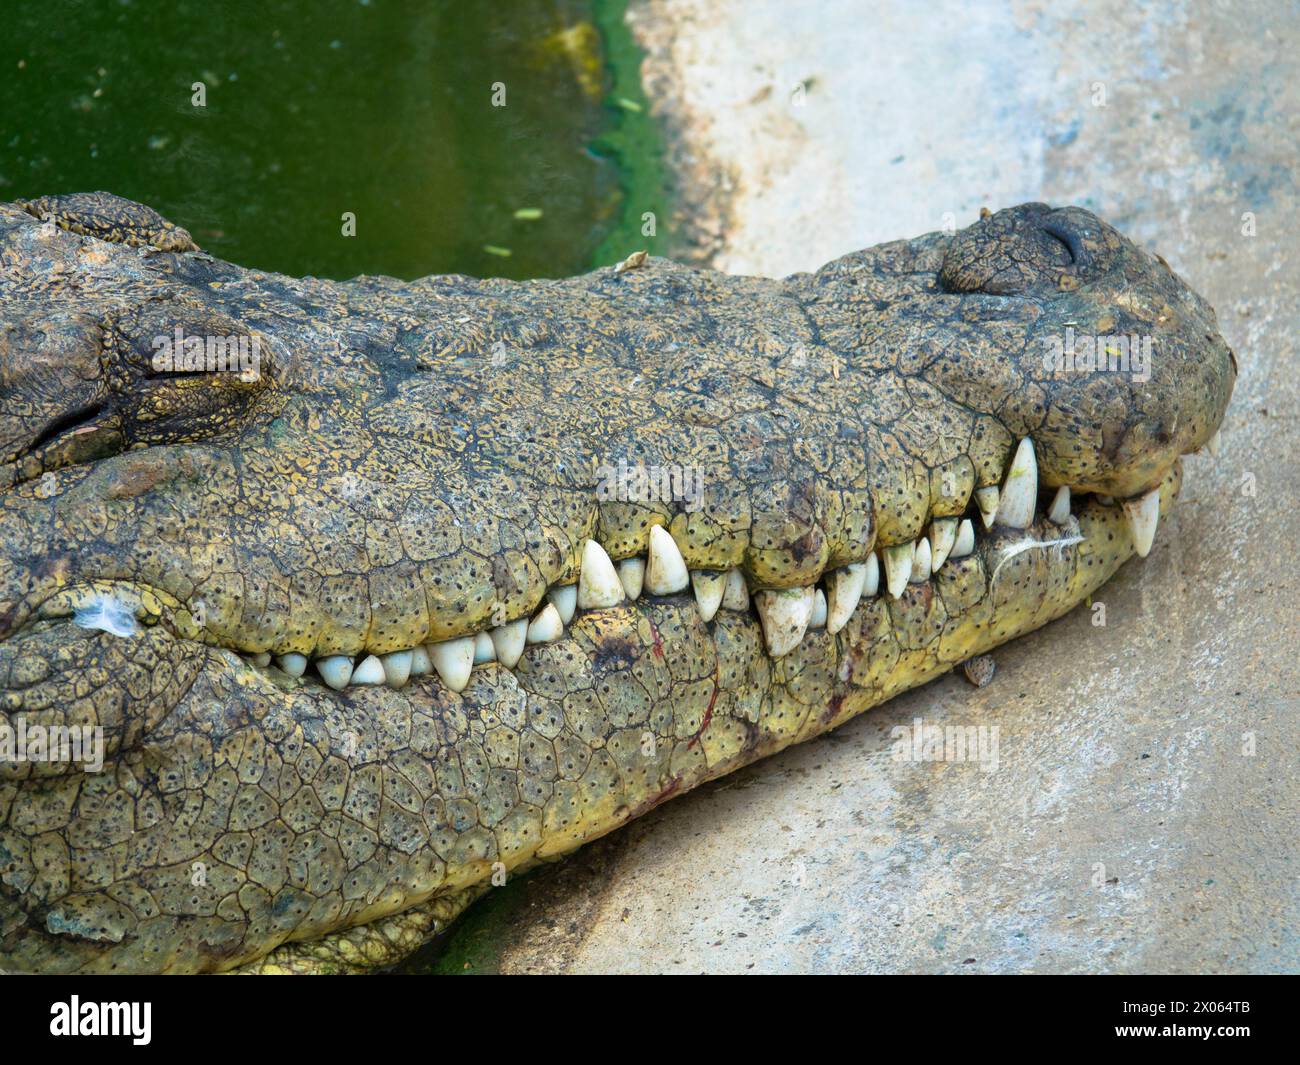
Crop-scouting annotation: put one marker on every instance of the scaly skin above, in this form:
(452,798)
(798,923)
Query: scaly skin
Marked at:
(416,462)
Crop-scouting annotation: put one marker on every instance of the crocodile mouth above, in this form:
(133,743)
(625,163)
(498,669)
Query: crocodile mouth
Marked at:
(370,630)
(999,524)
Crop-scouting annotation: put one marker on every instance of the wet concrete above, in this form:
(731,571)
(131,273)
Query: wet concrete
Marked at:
(1142,816)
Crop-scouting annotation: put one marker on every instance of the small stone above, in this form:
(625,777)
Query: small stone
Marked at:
(979,670)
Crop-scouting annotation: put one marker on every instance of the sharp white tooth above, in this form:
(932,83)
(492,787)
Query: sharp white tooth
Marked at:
(420,664)
(987,500)
(708,592)
(1020,489)
(1106,501)
(665,571)
(1059,512)
(397,668)
(631,572)
(262,658)
(454,660)
(845,587)
(943,534)
(598,583)
(898,567)
(335,670)
(294,664)
(1143,515)
(735,594)
(871,586)
(785,615)
(818,619)
(920,562)
(369,671)
(965,540)
(546,626)
(484,650)
(509,640)
(566,601)
(1212,445)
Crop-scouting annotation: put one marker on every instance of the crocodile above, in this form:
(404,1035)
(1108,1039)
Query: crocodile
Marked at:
(366,596)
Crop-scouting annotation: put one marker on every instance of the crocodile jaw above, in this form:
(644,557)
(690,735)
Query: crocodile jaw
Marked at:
(632,705)
(305,811)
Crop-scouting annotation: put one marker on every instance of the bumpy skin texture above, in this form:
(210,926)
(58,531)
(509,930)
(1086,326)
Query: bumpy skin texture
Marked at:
(417,461)
(109,217)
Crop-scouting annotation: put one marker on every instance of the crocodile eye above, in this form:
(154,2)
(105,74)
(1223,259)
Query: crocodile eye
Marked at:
(177,373)
(1025,248)
(78,390)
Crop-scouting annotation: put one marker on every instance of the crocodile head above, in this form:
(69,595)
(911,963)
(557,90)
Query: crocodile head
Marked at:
(439,578)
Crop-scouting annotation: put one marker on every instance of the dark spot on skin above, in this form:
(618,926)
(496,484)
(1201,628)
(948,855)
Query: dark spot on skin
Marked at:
(613,653)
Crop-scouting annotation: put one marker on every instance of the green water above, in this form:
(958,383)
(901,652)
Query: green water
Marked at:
(383,109)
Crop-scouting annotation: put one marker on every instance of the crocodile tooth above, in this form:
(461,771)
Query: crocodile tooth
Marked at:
(598,583)
(631,571)
(845,587)
(818,619)
(420,664)
(898,567)
(987,500)
(920,562)
(546,626)
(262,658)
(293,664)
(565,599)
(665,571)
(965,543)
(871,586)
(785,615)
(735,595)
(509,640)
(1143,515)
(397,668)
(1059,512)
(1020,489)
(335,670)
(454,660)
(943,534)
(708,587)
(1212,445)
(369,671)
(484,649)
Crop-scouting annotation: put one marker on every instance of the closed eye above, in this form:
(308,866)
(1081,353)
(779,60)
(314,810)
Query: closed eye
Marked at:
(65,423)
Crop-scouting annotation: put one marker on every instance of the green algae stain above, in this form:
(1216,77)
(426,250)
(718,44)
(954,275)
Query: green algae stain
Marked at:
(263,126)
(476,941)
(642,202)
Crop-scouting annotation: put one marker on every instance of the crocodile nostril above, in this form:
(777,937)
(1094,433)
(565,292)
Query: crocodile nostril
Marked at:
(1068,238)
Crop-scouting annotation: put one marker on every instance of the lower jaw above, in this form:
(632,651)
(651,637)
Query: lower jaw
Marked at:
(658,703)
(889,646)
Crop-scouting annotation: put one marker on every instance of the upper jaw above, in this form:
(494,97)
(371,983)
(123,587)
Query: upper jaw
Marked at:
(446,495)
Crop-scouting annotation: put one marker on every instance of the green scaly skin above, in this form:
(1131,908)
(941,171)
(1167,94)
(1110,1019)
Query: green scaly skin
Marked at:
(418,461)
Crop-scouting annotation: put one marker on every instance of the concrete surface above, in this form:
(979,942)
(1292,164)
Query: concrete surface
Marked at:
(1143,814)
